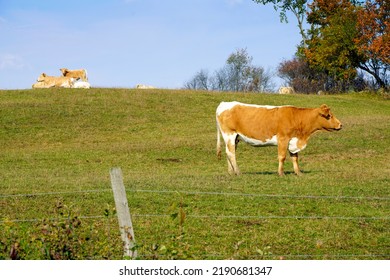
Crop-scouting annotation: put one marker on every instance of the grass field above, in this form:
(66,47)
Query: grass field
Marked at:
(58,145)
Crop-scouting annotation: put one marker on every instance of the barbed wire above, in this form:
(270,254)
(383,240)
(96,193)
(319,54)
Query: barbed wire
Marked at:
(280,256)
(276,196)
(236,217)
(269,195)
(342,197)
(264,217)
(271,217)
(35,220)
(54,193)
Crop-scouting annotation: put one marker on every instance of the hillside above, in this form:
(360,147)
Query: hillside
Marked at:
(58,145)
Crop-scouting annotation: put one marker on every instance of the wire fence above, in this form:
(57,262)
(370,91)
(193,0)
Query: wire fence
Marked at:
(356,199)
(202,193)
(270,196)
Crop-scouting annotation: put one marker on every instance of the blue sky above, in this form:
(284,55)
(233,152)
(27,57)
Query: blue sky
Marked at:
(122,43)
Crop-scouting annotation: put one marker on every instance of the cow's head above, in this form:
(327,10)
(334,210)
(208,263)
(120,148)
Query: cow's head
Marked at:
(64,71)
(327,120)
(41,77)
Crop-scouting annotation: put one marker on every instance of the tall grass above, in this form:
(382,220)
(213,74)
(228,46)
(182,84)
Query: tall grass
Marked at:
(57,146)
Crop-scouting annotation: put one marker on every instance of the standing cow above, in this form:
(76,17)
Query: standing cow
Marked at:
(287,127)
(77,74)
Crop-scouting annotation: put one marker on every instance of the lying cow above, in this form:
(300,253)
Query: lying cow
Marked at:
(77,74)
(51,81)
(287,127)
(81,84)
(140,86)
(43,85)
(286,90)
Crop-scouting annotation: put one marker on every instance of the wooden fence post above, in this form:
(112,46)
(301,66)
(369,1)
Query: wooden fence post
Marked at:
(123,212)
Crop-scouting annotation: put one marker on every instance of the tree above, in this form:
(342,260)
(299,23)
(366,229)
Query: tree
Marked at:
(238,74)
(304,79)
(258,80)
(298,74)
(220,80)
(346,36)
(239,66)
(331,47)
(373,39)
(201,81)
(297,7)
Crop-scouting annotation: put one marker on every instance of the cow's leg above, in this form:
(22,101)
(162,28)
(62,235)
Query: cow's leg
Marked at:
(282,151)
(231,154)
(294,158)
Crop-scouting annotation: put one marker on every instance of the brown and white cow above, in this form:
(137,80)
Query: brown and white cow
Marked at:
(287,127)
(77,74)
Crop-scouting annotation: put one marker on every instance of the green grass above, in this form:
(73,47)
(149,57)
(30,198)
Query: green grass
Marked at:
(60,144)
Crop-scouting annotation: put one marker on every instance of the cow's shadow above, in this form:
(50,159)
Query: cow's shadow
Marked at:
(275,173)
(260,173)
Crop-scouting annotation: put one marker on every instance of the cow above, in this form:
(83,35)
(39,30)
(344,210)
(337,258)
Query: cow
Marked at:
(286,90)
(51,81)
(43,85)
(140,86)
(77,74)
(81,84)
(287,127)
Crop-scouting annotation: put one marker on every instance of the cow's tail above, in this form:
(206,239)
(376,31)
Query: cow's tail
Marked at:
(218,141)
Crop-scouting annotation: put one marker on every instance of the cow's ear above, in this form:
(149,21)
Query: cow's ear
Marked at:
(324,110)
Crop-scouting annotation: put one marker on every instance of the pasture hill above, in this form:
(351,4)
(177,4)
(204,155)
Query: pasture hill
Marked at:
(58,145)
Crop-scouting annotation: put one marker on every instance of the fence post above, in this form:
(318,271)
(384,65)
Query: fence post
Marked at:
(123,212)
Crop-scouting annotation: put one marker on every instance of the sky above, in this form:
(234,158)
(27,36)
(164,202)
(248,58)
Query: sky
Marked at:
(122,43)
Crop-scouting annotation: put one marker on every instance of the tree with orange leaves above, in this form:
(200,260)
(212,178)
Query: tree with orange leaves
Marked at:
(346,35)
(373,39)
